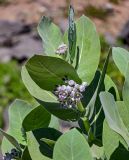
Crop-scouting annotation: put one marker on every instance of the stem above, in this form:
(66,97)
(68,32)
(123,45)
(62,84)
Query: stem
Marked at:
(80,107)
(86,124)
(87,129)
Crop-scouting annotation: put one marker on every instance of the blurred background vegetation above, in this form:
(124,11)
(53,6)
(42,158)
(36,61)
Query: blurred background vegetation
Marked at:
(19,39)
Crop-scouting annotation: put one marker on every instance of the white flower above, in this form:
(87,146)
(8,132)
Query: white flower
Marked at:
(62,49)
(70,93)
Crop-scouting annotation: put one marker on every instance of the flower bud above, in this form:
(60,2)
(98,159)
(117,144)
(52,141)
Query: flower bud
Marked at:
(62,49)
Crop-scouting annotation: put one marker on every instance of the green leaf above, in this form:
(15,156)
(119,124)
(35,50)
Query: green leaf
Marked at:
(26,155)
(54,123)
(61,112)
(34,89)
(50,142)
(33,147)
(17,112)
(94,105)
(89,46)
(125,91)
(112,115)
(43,96)
(72,146)
(37,118)
(72,35)
(121,58)
(50,35)
(90,90)
(45,133)
(95,111)
(109,83)
(97,151)
(111,140)
(11,139)
(47,72)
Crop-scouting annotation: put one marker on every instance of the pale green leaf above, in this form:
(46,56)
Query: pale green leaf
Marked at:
(72,146)
(50,35)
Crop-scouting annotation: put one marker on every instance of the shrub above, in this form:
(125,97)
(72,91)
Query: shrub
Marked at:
(67,84)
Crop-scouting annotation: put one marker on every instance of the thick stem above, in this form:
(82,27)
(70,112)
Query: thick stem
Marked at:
(87,129)
(86,124)
(80,107)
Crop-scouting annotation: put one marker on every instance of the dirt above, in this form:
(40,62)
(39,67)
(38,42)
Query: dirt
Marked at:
(30,11)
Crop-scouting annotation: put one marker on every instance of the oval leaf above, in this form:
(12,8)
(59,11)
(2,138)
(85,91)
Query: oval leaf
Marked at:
(121,58)
(33,147)
(72,146)
(47,72)
(37,118)
(89,47)
(50,35)
(34,89)
(112,115)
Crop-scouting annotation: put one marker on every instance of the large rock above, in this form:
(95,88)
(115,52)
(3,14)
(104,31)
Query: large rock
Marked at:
(9,29)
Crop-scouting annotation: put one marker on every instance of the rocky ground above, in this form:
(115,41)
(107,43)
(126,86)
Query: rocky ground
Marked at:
(18,19)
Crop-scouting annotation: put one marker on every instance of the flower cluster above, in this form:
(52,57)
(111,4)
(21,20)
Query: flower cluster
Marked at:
(70,93)
(62,49)
(13,155)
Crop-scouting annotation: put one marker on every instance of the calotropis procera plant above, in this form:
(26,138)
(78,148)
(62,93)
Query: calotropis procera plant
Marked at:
(66,84)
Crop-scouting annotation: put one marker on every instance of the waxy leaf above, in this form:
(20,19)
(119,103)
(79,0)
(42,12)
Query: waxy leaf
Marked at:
(72,146)
(43,149)
(125,91)
(121,58)
(17,112)
(33,147)
(37,118)
(112,115)
(34,89)
(111,140)
(47,99)
(50,35)
(89,47)
(61,112)
(47,72)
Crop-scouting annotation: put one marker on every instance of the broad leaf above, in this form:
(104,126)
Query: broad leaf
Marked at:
(89,46)
(111,140)
(44,97)
(34,89)
(121,58)
(50,35)
(47,72)
(17,112)
(33,147)
(112,115)
(54,123)
(72,146)
(126,88)
(37,118)
(61,112)
(43,133)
